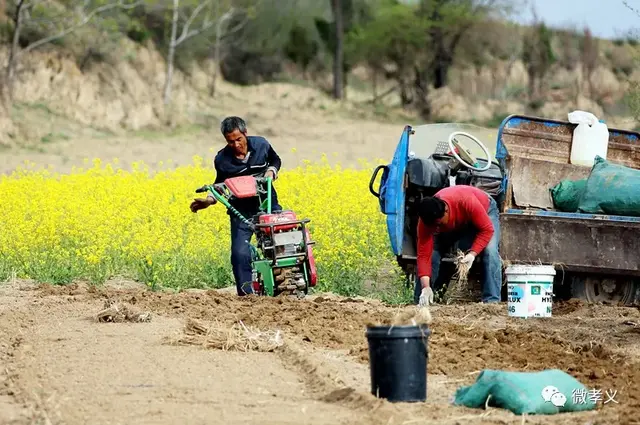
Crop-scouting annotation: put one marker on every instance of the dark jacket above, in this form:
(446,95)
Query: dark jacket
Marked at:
(262,157)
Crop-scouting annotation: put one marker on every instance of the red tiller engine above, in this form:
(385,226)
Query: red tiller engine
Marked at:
(279,217)
(289,239)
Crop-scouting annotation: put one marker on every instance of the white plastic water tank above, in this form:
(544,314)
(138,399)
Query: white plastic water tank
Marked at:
(588,142)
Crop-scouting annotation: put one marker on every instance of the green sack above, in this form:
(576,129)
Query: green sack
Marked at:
(546,392)
(566,194)
(611,189)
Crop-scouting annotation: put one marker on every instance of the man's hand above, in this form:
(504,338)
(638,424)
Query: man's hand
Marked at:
(426,297)
(201,203)
(468,259)
(270,173)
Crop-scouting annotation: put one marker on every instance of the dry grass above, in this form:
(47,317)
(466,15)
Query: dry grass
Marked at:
(458,288)
(412,317)
(119,312)
(237,337)
(408,316)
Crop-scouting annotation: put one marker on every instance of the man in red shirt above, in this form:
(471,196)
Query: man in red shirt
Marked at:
(465,214)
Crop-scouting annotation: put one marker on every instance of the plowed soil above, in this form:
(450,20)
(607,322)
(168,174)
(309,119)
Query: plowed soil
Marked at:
(60,365)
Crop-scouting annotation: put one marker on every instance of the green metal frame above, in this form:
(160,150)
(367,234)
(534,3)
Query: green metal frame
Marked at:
(263,267)
(266,204)
(265,272)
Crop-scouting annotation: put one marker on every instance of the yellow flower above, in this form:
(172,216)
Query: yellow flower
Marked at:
(103,220)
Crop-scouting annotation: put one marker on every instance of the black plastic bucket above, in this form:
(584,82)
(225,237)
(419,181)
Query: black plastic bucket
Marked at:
(398,358)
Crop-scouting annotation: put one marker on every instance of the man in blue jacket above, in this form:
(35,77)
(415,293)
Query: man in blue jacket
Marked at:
(244,155)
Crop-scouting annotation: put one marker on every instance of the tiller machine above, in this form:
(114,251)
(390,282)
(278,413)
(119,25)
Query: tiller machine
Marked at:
(282,258)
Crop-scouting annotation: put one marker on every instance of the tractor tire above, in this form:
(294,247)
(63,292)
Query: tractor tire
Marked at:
(607,290)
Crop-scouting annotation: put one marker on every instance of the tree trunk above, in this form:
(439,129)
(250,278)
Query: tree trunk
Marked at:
(172,52)
(507,77)
(421,84)
(3,10)
(216,61)
(442,61)
(338,54)
(405,95)
(216,52)
(13,53)
(532,84)
(374,84)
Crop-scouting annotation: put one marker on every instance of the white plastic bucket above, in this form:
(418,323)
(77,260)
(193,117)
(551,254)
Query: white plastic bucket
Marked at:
(530,290)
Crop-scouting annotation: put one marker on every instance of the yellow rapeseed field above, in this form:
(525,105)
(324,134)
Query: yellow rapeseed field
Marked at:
(103,221)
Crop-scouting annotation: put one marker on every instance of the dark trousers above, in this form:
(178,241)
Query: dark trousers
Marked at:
(491,262)
(241,235)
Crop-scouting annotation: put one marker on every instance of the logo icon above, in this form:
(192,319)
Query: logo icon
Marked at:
(551,394)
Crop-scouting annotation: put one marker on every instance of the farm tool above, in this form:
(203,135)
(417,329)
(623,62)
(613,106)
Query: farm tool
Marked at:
(282,257)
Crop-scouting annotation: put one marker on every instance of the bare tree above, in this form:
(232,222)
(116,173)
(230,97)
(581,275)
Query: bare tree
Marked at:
(537,55)
(633,9)
(222,31)
(338,54)
(513,52)
(21,16)
(201,19)
(589,57)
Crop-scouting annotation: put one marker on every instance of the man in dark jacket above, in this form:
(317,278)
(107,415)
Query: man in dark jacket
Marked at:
(244,155)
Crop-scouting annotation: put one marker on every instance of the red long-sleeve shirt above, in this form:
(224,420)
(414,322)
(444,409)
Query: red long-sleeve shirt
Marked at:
(467,204)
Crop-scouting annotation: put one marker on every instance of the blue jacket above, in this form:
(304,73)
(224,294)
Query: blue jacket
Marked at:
(261,157)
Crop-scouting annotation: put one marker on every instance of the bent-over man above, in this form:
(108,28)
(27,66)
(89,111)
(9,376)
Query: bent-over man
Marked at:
(465,214)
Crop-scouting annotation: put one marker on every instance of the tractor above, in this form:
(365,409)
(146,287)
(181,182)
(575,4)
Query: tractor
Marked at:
(282,257)
(517,164)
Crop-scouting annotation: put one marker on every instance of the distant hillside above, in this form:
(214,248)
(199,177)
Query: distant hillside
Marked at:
(111,73)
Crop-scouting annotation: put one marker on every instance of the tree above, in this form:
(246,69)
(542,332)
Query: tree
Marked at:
(538,57)
(589,57)
(221,31)
(338,53)
(351,13)
(195,18)
(185,34)
(34,12)
(395,37)
(450,20)
(301,48)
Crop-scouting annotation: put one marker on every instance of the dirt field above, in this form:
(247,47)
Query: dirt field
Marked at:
(59,365)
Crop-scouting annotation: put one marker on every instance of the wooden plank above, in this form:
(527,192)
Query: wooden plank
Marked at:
(531,180)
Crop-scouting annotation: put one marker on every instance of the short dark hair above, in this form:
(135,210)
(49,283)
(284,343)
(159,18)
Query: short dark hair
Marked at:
(230,124)
(431,209)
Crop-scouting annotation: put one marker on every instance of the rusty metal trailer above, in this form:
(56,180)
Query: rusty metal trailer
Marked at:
(597,257)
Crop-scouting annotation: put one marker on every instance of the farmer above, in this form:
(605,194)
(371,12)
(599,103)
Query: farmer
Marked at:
(243,155)
(465,214)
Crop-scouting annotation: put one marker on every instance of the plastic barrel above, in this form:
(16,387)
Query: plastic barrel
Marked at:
(398,358)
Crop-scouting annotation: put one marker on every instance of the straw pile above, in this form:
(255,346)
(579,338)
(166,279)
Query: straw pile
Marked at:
(458,288)
(116,312)
(412,317)
(238,337)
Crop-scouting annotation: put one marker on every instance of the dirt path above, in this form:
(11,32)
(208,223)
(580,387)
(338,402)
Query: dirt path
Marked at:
(58,365)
